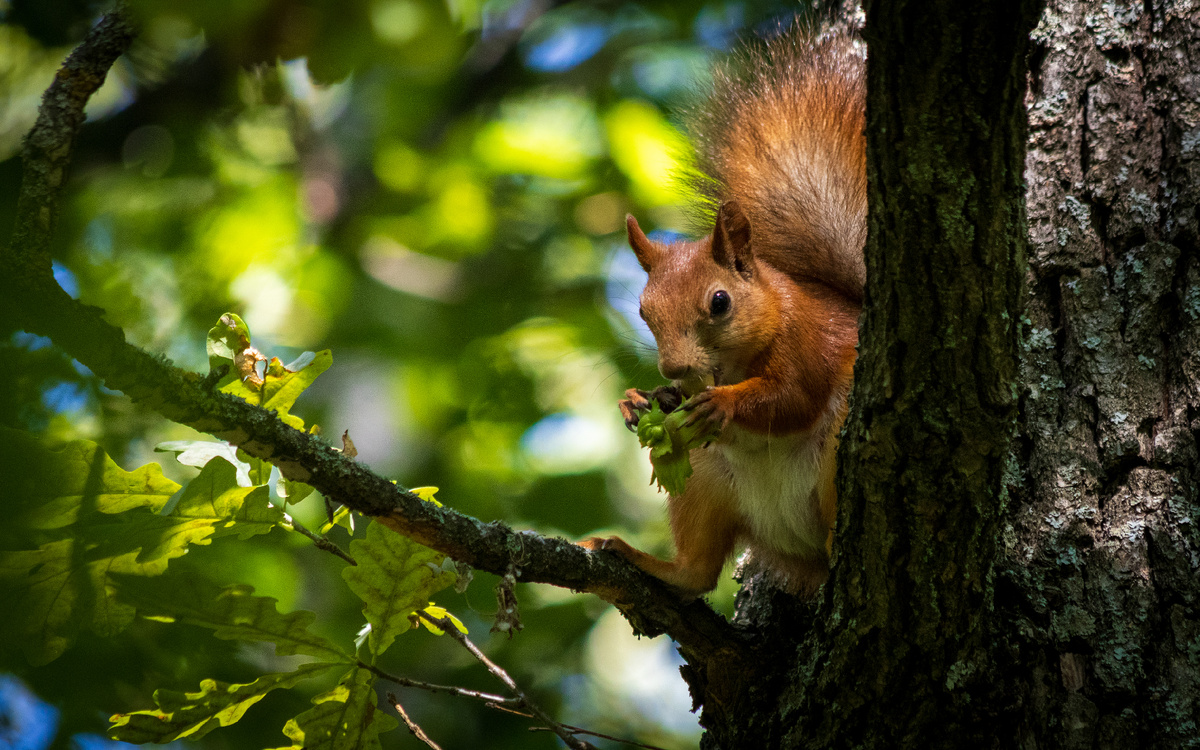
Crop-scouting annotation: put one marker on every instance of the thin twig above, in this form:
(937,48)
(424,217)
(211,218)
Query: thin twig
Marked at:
(412,725)
(444,624)
(601,735)
(489,698)
(320,540)
(574,729)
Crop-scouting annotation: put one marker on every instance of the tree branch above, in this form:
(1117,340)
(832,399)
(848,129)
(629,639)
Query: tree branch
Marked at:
(32,300)
(47,149)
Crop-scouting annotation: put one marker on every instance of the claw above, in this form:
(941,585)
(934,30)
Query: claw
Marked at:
(702,397)
(704,407)
(636,401)
(611,543)
(638,398)
(630,413)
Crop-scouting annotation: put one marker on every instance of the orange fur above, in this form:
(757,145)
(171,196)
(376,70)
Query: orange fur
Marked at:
(781,140)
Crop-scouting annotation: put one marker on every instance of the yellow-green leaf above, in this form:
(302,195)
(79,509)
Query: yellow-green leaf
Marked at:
(278,385)
(438,613)
(428,494)
(215,497)
(283,384)
(345,718)
(341,517)
(394,577)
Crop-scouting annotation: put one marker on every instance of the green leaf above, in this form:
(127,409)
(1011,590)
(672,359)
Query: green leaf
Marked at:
(194,715)
(394,577)
(63,587)
(670,441)
(233,612)
(259,470)
(76,519)
(47,488)
(67,585)
(215,497)
(292,491)
(275,388)
(345,718)
(227,341)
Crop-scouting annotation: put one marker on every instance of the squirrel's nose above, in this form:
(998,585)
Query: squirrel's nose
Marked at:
(672,370)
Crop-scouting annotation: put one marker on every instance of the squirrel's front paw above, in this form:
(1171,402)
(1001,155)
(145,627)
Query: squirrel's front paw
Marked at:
(636,401)
(710,405)
(669,397)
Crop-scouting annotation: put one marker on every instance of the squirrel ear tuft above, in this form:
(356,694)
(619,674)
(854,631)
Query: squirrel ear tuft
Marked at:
(731,237)
(643,248)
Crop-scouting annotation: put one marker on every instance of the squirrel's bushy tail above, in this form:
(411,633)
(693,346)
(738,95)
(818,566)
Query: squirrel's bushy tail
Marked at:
(782,134)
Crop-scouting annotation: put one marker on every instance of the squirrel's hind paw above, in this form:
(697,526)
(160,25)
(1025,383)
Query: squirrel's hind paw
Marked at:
(612,543)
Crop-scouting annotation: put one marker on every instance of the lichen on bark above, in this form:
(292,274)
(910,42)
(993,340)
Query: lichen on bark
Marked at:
(1102,552)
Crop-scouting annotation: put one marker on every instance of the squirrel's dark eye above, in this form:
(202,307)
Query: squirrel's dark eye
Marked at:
(720,302)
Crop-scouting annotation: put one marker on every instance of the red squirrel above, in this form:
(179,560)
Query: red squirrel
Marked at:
(757,322)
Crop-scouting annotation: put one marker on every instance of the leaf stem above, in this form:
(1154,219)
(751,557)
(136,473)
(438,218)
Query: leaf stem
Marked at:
(321,541)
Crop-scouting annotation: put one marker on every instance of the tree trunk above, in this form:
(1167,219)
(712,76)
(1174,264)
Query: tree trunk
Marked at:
(1099,588)
(1017,555)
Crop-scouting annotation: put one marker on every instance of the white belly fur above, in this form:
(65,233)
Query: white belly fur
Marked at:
(774,479)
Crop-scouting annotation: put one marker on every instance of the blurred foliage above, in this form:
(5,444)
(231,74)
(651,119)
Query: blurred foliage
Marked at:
(434,190)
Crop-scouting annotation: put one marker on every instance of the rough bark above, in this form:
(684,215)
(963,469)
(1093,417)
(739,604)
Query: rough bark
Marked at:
(47,149)
(1100,587)
(899,652)
(909,624)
